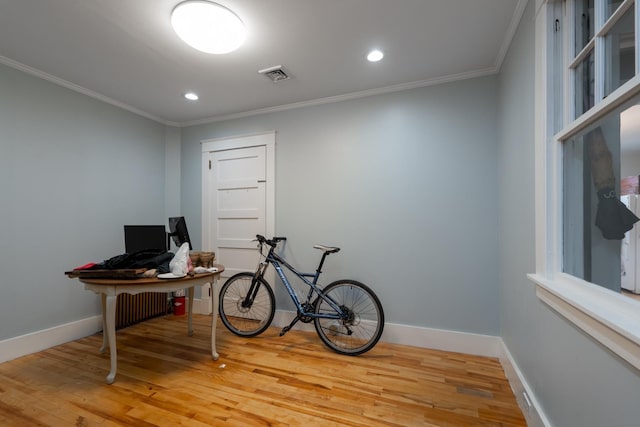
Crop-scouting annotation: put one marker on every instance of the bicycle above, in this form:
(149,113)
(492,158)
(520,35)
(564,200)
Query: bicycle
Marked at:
(347,314)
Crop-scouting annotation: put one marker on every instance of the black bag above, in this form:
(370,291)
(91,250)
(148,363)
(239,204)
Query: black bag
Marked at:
(146,258)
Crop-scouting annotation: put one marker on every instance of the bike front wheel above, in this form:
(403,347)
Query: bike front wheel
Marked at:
(238,313)
(359,330)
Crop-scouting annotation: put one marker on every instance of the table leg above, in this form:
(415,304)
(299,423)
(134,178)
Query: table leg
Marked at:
(190,311)
(214,317)
(111,335)
(105,334)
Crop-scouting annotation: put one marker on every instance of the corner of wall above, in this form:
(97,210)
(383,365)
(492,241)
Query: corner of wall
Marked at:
(173,148)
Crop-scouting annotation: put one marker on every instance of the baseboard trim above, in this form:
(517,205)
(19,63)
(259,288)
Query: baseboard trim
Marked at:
(437,339)
(202,305)
(529,405)
(13,348)
(482,345)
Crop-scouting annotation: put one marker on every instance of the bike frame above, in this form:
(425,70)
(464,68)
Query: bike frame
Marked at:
(277,261)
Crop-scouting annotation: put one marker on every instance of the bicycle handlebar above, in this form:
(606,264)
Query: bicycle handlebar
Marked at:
(273,242)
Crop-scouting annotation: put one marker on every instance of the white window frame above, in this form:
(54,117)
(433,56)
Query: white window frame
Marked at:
(612,319)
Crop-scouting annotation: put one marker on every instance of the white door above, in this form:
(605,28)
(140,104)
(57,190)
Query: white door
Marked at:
(237,199)
(238,204)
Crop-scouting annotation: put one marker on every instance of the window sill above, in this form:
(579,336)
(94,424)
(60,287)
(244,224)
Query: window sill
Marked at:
(612,319)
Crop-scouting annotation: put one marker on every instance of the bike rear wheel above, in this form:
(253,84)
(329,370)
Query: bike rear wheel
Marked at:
(363,324)
(241,318)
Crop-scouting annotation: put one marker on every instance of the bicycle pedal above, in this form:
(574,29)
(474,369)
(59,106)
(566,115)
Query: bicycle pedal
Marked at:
(284,330)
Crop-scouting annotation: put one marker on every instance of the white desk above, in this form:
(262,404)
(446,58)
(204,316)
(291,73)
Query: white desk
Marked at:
(109,289)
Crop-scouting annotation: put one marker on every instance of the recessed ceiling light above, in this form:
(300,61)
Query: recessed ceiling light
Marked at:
(375,56)
(207,26)
(191,96)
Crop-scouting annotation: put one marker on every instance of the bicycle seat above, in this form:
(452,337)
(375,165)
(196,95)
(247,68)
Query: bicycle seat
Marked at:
(327,249)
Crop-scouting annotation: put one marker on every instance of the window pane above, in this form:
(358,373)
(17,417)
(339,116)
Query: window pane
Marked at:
(596,223)
(612,6)
(584,23)
(584,95)
(620,52)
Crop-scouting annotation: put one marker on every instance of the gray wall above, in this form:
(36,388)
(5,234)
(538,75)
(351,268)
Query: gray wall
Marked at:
(429,192)
(578,382)
(73,171)
(404,183)
(630,164)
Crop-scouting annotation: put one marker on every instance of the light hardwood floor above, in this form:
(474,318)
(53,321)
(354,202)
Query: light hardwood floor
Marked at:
(166,378)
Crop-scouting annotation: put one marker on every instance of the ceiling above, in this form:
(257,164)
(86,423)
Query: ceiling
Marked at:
(126,53)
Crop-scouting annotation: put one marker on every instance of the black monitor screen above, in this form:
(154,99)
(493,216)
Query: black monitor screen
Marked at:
(178,231)
(141,237)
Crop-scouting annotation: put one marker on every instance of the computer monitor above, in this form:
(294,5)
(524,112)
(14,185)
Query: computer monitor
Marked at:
(145,237)
(178,231)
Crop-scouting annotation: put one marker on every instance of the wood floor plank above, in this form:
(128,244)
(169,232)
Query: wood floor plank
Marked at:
(166,378)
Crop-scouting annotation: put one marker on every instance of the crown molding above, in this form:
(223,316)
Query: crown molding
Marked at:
(84,91)
(513,26)
(346,97)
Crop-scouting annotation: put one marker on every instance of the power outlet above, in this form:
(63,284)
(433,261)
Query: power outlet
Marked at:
(527,401)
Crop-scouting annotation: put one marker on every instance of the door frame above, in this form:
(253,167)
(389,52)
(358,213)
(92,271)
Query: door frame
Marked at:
(266,139)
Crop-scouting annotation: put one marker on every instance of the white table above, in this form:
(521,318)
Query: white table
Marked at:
(109,289)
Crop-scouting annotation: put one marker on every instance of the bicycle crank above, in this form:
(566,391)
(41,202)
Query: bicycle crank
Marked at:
(306,308)
(300,317)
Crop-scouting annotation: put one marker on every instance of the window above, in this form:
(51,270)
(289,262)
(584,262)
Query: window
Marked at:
(587,127)
(620,52)
(595,220)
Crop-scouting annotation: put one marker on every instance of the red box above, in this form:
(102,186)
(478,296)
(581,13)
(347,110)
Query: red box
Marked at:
(178,306)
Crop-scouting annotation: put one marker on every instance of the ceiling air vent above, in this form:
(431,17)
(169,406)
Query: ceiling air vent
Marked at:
(276,74)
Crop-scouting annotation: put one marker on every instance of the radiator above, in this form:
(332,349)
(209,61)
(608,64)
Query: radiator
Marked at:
(132,309)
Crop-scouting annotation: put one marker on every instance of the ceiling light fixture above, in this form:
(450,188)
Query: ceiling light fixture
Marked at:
(207,26)
(191,96)
(375,56)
